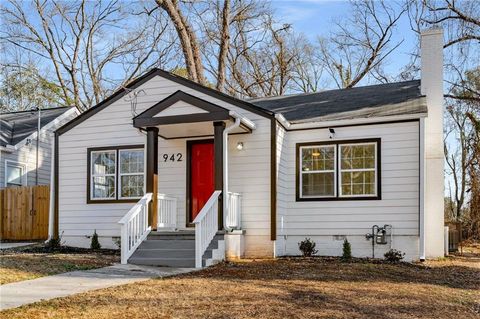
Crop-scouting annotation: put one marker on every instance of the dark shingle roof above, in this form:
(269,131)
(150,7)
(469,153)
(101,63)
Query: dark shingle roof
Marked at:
(16,126)
(368,101)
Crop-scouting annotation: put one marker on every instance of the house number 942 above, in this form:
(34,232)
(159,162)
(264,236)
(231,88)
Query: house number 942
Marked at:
(172,157)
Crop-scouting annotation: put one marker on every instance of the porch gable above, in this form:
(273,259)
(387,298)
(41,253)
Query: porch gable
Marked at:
(181,107)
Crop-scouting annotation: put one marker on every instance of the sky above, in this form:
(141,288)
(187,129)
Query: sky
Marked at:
(315,17)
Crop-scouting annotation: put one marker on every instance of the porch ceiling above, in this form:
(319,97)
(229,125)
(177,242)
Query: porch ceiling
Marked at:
(196,129)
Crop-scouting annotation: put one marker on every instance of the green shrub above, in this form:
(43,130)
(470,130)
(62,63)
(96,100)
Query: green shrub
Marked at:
(347,251)
(95,244)
(394,256)
(307,247)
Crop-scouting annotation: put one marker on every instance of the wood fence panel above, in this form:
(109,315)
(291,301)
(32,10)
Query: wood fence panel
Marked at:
(24,212)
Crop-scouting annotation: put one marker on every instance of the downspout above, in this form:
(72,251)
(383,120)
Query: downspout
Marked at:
(51,207)
(38,145)
(422,189)
(225,168)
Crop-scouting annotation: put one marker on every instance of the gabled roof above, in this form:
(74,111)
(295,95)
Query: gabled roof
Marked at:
(398,98)
(169,76)
(16,126)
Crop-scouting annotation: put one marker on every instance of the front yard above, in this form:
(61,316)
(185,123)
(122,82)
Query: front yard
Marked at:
(286,288)
(33,262)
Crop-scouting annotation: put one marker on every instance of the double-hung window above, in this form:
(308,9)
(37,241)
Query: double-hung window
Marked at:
(338,170)
(318,171)
(116,173)
(15,174)
(358,169)
(131,177)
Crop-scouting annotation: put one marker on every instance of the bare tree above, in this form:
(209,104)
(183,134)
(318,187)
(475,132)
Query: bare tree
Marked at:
(461,21)
(82,42)
(307,67)
(361,43)
(474,173)
(23,88)
(224,45)
(457,159)
(189,43)
(261,55)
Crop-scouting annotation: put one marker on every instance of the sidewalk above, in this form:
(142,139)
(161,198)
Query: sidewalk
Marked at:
(25,292)
(14,245)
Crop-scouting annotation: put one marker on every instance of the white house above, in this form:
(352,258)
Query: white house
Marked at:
(25,159)
(185,175)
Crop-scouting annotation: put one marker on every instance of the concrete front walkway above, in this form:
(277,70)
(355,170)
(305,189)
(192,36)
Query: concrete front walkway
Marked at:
(25,292)
(14,245)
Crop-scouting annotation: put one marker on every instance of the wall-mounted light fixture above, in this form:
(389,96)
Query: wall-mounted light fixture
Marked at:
(332,132)
(240,146)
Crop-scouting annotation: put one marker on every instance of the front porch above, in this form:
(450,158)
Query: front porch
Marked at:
(168,220)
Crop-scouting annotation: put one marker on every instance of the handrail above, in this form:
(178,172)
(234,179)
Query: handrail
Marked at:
(207,205)
(206,227)
(134,227)
(167,212)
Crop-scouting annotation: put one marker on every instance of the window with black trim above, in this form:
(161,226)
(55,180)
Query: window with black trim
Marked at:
(338,170)
(317,176)
(116,173)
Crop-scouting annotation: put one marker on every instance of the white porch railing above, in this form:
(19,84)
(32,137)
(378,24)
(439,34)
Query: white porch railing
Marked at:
(206,227)
(234,211)
(134,227)
(167,212)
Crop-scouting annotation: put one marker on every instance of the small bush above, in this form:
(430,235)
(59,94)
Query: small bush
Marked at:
(307,247)
(394,256)
(347,251)
(95,244)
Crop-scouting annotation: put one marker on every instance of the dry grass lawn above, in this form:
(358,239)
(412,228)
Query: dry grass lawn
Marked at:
(286,288)
(18,266)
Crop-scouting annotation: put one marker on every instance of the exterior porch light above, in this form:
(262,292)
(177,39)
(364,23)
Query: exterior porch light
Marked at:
(240,146)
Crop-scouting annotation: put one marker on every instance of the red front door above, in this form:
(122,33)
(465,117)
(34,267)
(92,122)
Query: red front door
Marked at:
(202,176)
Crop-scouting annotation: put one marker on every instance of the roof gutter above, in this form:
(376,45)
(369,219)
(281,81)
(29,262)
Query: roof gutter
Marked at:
(347,122)
(245,121)
(283,121)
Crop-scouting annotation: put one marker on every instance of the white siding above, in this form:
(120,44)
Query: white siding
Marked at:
(282,190)
(249,170)
(321,220)
(180,108)
(27,155)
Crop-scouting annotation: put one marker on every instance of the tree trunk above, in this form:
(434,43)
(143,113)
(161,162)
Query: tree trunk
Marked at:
(224,45)
(188,40)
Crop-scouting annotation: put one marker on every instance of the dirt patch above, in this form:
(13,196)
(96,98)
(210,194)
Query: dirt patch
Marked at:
(286,288)
(37,261)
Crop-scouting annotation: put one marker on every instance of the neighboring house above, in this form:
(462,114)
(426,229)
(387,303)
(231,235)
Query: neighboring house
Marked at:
(327,166)
(20,164)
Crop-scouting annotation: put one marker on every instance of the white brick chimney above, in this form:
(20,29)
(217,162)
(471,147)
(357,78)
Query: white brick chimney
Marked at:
(431,241)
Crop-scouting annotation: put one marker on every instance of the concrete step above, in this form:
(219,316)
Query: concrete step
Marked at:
(170,253)
(172,249)
(167,244)
(164,261)
(180,235)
